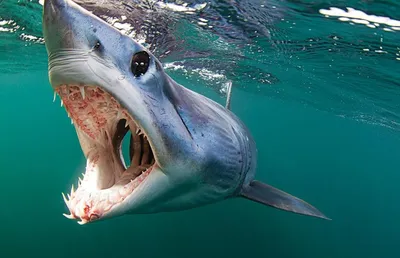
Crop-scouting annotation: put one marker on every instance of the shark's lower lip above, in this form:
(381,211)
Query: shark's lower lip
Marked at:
(101,124)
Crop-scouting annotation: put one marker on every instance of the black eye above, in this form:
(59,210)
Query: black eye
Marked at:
(140,63)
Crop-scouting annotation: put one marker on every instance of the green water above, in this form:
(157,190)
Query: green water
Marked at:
(347,167)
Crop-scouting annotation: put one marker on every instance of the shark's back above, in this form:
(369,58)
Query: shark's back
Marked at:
(229,148)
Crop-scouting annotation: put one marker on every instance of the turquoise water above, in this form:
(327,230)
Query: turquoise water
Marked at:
(326,124)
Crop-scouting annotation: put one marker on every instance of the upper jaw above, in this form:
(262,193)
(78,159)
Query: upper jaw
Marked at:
(70,69)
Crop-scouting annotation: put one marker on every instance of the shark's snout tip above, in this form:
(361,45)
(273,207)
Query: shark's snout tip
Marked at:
(51,8)
(55,3)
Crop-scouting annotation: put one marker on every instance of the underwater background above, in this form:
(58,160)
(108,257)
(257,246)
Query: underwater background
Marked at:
(316,82)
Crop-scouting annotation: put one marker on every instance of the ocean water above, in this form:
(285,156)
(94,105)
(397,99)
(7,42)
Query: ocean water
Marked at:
(318,87)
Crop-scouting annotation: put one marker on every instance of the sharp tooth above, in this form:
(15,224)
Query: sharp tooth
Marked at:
(72,122)
(82,222)
(69,216)
(137,130)
(80,180)
(65,199)
(69,197)
(72,190)
(82,89)
(126,123)
(54,97)
(62,103)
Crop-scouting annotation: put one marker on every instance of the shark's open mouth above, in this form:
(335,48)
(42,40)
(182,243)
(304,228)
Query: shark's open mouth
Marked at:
(101,124)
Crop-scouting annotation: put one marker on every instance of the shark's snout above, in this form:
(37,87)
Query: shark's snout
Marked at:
(56,24)
(68,26)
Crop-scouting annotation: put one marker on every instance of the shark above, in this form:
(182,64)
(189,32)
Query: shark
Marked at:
(186,150)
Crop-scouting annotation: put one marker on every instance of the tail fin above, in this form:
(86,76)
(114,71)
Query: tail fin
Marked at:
(268,195)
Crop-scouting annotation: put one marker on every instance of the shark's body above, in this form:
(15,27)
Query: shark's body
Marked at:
(186,149)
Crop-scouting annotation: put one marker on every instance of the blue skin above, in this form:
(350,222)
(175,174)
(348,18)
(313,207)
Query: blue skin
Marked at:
(203,152)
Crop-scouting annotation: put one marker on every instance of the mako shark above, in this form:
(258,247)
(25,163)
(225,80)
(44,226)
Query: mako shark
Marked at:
(186,150)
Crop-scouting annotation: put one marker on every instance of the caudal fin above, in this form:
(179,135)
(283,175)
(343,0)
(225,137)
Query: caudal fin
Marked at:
(268,195)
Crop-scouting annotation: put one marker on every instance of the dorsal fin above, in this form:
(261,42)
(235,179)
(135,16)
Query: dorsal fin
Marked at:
(268,195)
(228,95)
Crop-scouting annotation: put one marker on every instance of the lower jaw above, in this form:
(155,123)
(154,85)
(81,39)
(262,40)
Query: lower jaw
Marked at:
(96,195)
(89,206)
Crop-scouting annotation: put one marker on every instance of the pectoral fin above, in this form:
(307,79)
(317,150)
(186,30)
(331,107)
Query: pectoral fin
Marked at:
(268,195)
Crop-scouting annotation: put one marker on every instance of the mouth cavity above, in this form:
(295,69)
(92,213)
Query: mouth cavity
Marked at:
(101,124)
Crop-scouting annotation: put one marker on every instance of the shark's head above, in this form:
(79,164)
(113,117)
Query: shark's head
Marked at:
(109,85)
